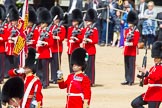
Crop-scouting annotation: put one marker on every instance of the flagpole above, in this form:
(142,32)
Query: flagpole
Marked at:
(25,15)
(107,26)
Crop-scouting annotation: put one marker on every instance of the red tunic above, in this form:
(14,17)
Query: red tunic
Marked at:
(4,37)
(154,81)
(131,50)
(27,80)
(90,46)
(61,34)
(34,36)
(44,51)
(19,32)
(76,44)
(76,84)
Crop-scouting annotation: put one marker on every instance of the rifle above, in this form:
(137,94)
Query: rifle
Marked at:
(144,63)
(13,32)
(29,36)
(57,30)
(90,31)
(3,23)
(130,35)
(45,34)
(77,31)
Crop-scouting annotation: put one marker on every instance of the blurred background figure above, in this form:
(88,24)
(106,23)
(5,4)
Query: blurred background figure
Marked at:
(149,26)
(141,9)
(105,19)
(159,32)
(74,4)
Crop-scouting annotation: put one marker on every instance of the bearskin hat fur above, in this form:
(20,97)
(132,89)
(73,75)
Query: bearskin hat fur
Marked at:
(13,88)
(10,7)
(2,12)
(13,14)
(91,15)
(132,18)
(56,10)
(79,57)
(156,51)
(30,61)
(32,16)
(77,15)
(44,16)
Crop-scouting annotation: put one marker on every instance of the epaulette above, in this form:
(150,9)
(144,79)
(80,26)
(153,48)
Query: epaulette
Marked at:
(95,28)
(137,30)
(70,27)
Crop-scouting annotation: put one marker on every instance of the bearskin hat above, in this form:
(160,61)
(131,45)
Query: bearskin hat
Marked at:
(132,18)
(13,88)
(30,61)
(13,14)
(77,15)
(40,9)
(44,16)
(32,16)
(79,57)
(156,51)
(56,10)
(91,15)
(10,7)
(2,12)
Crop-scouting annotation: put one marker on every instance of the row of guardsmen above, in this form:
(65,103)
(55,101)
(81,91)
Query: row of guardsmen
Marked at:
(46,33)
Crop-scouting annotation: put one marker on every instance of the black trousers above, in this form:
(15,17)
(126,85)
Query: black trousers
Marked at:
(139,102)
(2,66)
(90,70)
(55,65)
(43,71)
(70,67)
(129,62)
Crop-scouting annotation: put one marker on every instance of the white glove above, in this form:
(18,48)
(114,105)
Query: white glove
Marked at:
(56,37)
(1,38)
(128,44)
(74,38)
(41,43)
(71,41)
(20,71)
(59,74)
(87,40)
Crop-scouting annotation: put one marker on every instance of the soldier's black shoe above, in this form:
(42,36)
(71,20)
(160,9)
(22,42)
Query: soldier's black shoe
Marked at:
(125,83)
(130,84)
(51,81)
(44,87)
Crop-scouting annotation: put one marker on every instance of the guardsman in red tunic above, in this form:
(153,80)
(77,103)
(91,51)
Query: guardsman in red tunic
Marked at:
(130,48)
(78,84)
(31,29)
(59,32)
(152,78)
(14,30)
(3,39)
(43,46)
(74,37)
(33,86)
(12,92)
(89,41)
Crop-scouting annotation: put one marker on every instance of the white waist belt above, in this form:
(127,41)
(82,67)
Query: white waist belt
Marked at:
(155,85)
(76,94)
